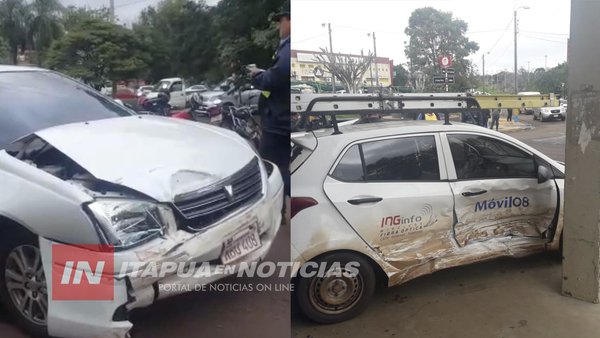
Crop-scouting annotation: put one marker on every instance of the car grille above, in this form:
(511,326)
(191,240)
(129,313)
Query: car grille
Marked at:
(222,198)
(556,111)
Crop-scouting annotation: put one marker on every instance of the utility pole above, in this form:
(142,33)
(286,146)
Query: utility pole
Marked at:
(371,72)
(528,74)
(545,62)
(331,51)
(112,11)
(483,59)
(516,31)
(375,51)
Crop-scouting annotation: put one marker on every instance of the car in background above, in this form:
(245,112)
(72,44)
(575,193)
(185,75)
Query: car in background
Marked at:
(528,111)
(196,89)
(550,113)
(405,199)
(175,87)
(78,168)
(143,90)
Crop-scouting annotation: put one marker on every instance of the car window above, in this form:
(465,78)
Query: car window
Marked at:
(481,157)
(33,101)
(350,168)
(177,87)
(402,159)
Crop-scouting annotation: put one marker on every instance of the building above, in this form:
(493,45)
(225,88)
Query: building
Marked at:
(303,64)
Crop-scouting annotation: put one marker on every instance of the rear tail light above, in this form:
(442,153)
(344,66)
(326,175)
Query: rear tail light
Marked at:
(301,203)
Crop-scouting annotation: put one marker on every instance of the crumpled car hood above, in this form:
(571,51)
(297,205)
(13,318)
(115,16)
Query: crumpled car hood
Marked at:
(157,156)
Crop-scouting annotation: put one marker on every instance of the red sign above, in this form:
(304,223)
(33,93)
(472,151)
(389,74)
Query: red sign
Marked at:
(82,272)
(445,61)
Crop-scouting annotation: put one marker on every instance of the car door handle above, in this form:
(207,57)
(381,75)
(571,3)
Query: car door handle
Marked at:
(358,201)
(473,193)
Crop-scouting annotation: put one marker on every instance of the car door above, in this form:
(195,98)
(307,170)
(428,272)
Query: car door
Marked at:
(394,193)
(177,95)
(496,191)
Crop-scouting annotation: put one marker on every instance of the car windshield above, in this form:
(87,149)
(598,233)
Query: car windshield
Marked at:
(35,100)
(162,85)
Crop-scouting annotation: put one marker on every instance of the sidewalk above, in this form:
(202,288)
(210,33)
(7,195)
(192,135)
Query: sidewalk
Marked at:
(511,126)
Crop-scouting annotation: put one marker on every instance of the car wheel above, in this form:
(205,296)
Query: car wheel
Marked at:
(23,290)
(339,295)
(542,118)
(534,117)
(563,118)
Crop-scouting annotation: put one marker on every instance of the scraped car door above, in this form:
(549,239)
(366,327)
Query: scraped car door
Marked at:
(394,193)
(496,191)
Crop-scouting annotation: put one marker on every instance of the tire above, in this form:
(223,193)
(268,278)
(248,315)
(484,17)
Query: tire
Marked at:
(534,117)
(542,118)
(563,118)
(310,291)
(12,249)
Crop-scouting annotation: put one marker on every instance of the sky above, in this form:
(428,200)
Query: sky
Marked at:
(543,28)
(127,11)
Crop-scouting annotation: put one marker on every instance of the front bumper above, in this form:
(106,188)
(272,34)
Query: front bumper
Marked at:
(83,319)
(549,115)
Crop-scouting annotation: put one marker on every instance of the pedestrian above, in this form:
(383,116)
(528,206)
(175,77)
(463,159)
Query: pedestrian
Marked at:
(510,112)
(495,118)
(428,116)
(486,117)
(275,100)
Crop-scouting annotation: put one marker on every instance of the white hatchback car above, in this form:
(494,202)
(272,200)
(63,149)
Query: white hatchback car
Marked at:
(405,199)
(76,168)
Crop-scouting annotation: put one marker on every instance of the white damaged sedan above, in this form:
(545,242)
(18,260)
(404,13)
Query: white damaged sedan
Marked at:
(77,170)
(405,199)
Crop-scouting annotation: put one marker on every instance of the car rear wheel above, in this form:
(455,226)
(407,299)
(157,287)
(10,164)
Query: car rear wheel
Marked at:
(340,294)
(23,289)
(534,116)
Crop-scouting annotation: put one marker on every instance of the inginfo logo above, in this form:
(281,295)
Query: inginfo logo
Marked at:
(85,272)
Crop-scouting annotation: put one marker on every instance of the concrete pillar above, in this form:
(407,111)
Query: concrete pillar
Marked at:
(581,253)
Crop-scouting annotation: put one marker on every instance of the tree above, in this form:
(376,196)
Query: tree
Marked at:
(401,76)
(13,25)
(350,70)
(73,17)
(180,36)
(99,51)
(554,80)
(45,25)
(432,34)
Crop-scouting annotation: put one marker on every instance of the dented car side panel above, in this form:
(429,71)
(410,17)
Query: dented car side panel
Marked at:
(322,228)
(29,195)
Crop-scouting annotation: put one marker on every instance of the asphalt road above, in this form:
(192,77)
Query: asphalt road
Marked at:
(547,137)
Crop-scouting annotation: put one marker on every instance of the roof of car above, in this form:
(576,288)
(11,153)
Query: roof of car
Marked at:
(367,130)
(7,68)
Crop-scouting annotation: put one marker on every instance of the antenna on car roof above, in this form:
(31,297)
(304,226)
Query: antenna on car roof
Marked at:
(321,105)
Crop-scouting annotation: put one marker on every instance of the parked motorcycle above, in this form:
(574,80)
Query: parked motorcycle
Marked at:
(158,105)
(240,120)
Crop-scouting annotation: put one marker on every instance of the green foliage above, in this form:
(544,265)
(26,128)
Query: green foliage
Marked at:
(401,77)
(432,34)
(73,16)
(14,16)
(99,51)
(552,80)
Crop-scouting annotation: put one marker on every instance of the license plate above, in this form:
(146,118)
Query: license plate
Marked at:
(217,118)
(240,244)
(556,115)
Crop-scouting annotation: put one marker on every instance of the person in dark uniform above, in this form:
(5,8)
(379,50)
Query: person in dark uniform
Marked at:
(274,103)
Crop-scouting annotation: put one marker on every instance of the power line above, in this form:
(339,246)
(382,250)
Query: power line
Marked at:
(132,3)
(314,37)
(533,37)
(511,20)
(545,33)
(493,30)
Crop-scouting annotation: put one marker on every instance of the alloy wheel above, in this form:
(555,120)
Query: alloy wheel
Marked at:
(26,283)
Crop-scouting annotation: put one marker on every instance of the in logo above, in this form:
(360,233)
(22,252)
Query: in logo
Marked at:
(84,272)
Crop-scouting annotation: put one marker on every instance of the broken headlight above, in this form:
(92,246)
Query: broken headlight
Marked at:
(125,223)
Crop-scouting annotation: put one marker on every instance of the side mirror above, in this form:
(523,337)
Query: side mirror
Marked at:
(543,174)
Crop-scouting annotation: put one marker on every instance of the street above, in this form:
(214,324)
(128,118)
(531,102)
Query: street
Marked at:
(470,301)
(214,314)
